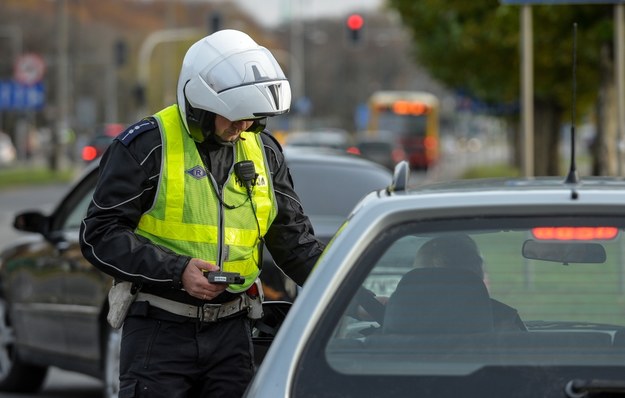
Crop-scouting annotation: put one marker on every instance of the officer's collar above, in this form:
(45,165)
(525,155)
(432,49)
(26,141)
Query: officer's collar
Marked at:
(214,139)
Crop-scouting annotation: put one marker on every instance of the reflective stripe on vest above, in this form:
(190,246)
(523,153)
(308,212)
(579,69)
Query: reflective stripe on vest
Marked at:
(187,216)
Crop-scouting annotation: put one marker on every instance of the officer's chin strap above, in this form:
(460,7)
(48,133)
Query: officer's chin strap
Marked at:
(258,125)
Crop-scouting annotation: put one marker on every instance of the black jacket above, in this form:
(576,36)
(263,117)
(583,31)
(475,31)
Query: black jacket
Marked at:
(126,188)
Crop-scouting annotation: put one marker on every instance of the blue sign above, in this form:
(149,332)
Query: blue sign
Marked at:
(18,96)
(562,2)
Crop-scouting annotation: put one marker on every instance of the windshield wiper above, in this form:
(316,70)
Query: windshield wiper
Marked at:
(577,388)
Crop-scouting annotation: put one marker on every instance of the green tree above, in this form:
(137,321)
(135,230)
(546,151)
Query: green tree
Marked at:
(475,46)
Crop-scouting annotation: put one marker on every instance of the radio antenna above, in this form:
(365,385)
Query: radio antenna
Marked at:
(573,177)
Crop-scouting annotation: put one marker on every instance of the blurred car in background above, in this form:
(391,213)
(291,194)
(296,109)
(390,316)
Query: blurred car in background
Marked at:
(7,150)
(322,138)
(329,183)
(392,310)
(96,146)
(53,303)
(384,149)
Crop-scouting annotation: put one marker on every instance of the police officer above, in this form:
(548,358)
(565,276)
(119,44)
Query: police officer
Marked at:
(199,187)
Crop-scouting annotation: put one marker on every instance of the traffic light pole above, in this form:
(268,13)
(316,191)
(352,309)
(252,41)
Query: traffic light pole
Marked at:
(527,90)
(145,54)
(619,64)
(62,91)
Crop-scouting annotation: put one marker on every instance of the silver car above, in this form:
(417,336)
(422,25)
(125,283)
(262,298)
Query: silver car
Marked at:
(498,288)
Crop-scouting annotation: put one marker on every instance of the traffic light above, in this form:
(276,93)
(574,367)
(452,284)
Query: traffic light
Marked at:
(138,92)
(121,52)
(354,23)
(214,22)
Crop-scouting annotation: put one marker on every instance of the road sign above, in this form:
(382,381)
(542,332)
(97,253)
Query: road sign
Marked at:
(18,96)
(561,2)
(29,68)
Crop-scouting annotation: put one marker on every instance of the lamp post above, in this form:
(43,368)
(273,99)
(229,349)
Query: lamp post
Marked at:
(145,54)
(62,92)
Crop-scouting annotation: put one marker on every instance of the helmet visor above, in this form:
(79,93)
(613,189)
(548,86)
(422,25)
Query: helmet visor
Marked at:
(242,68)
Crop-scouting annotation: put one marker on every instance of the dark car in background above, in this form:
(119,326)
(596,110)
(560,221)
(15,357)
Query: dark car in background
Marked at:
(329,184)
(53,303)
(337,139)
(96,145)
(385,149)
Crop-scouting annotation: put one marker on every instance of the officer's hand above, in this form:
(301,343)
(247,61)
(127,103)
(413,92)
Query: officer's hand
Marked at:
(195,282)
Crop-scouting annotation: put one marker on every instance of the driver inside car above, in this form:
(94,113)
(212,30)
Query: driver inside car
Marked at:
(461,252)
(446,251)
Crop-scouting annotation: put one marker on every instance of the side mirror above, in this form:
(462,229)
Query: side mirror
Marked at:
(31,221)
(274,313)
(265,329)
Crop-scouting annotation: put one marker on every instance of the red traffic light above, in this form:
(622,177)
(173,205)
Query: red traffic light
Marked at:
(355,22)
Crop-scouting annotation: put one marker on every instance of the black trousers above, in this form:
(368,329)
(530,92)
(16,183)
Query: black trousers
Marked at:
(168,356)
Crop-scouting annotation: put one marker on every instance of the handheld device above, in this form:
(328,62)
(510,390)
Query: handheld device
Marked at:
(225,277)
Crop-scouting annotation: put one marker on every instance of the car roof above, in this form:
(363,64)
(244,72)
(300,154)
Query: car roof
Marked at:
(500,196)
(318,154)
(517,184)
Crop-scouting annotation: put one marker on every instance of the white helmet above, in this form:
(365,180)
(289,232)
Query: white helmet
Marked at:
(229,74)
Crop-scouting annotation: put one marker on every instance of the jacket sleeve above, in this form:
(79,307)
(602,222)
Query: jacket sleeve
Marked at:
(290,238)
(128,176)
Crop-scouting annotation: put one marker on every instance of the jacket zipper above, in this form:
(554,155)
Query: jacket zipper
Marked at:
(220,226)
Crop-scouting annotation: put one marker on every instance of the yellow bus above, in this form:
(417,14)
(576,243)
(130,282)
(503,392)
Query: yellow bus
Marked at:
(412,119)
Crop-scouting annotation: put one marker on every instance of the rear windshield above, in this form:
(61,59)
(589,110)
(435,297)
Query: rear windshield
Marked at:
(471,294)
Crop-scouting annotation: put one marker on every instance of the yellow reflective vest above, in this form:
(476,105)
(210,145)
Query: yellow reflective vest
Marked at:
(188,217)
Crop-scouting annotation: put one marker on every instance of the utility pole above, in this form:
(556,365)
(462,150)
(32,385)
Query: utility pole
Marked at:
(297,42)
(145,54)
(527,90)
(619,51)
(14,34)
(62,99)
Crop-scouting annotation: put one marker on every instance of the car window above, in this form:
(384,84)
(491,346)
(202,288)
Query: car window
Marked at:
(465,297)
(78,212)
(73,208)
(396,261)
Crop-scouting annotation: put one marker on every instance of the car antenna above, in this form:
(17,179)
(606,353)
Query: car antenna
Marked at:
(401,176)
(573,176)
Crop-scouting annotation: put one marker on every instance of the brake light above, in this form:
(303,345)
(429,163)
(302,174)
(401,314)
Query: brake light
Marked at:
(398,155)
(353,150)
(575,233)
(430,143)
(89,153)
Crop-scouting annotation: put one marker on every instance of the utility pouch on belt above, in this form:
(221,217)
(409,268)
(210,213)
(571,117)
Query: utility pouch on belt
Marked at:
(121,296)
(254,297)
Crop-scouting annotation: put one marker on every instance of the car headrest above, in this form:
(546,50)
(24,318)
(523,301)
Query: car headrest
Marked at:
(439,300)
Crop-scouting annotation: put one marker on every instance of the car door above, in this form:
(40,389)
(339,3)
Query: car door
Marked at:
(56,296)
(85,287)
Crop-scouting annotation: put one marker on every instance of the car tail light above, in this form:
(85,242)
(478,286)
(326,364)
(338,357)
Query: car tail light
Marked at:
(430,143)
(398,155)
(89,153)
(353,150)
(575,233)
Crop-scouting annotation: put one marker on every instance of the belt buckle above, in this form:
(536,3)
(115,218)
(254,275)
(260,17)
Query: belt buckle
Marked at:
(210,312)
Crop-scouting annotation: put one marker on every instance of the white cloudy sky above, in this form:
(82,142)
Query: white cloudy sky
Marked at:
(272,12)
